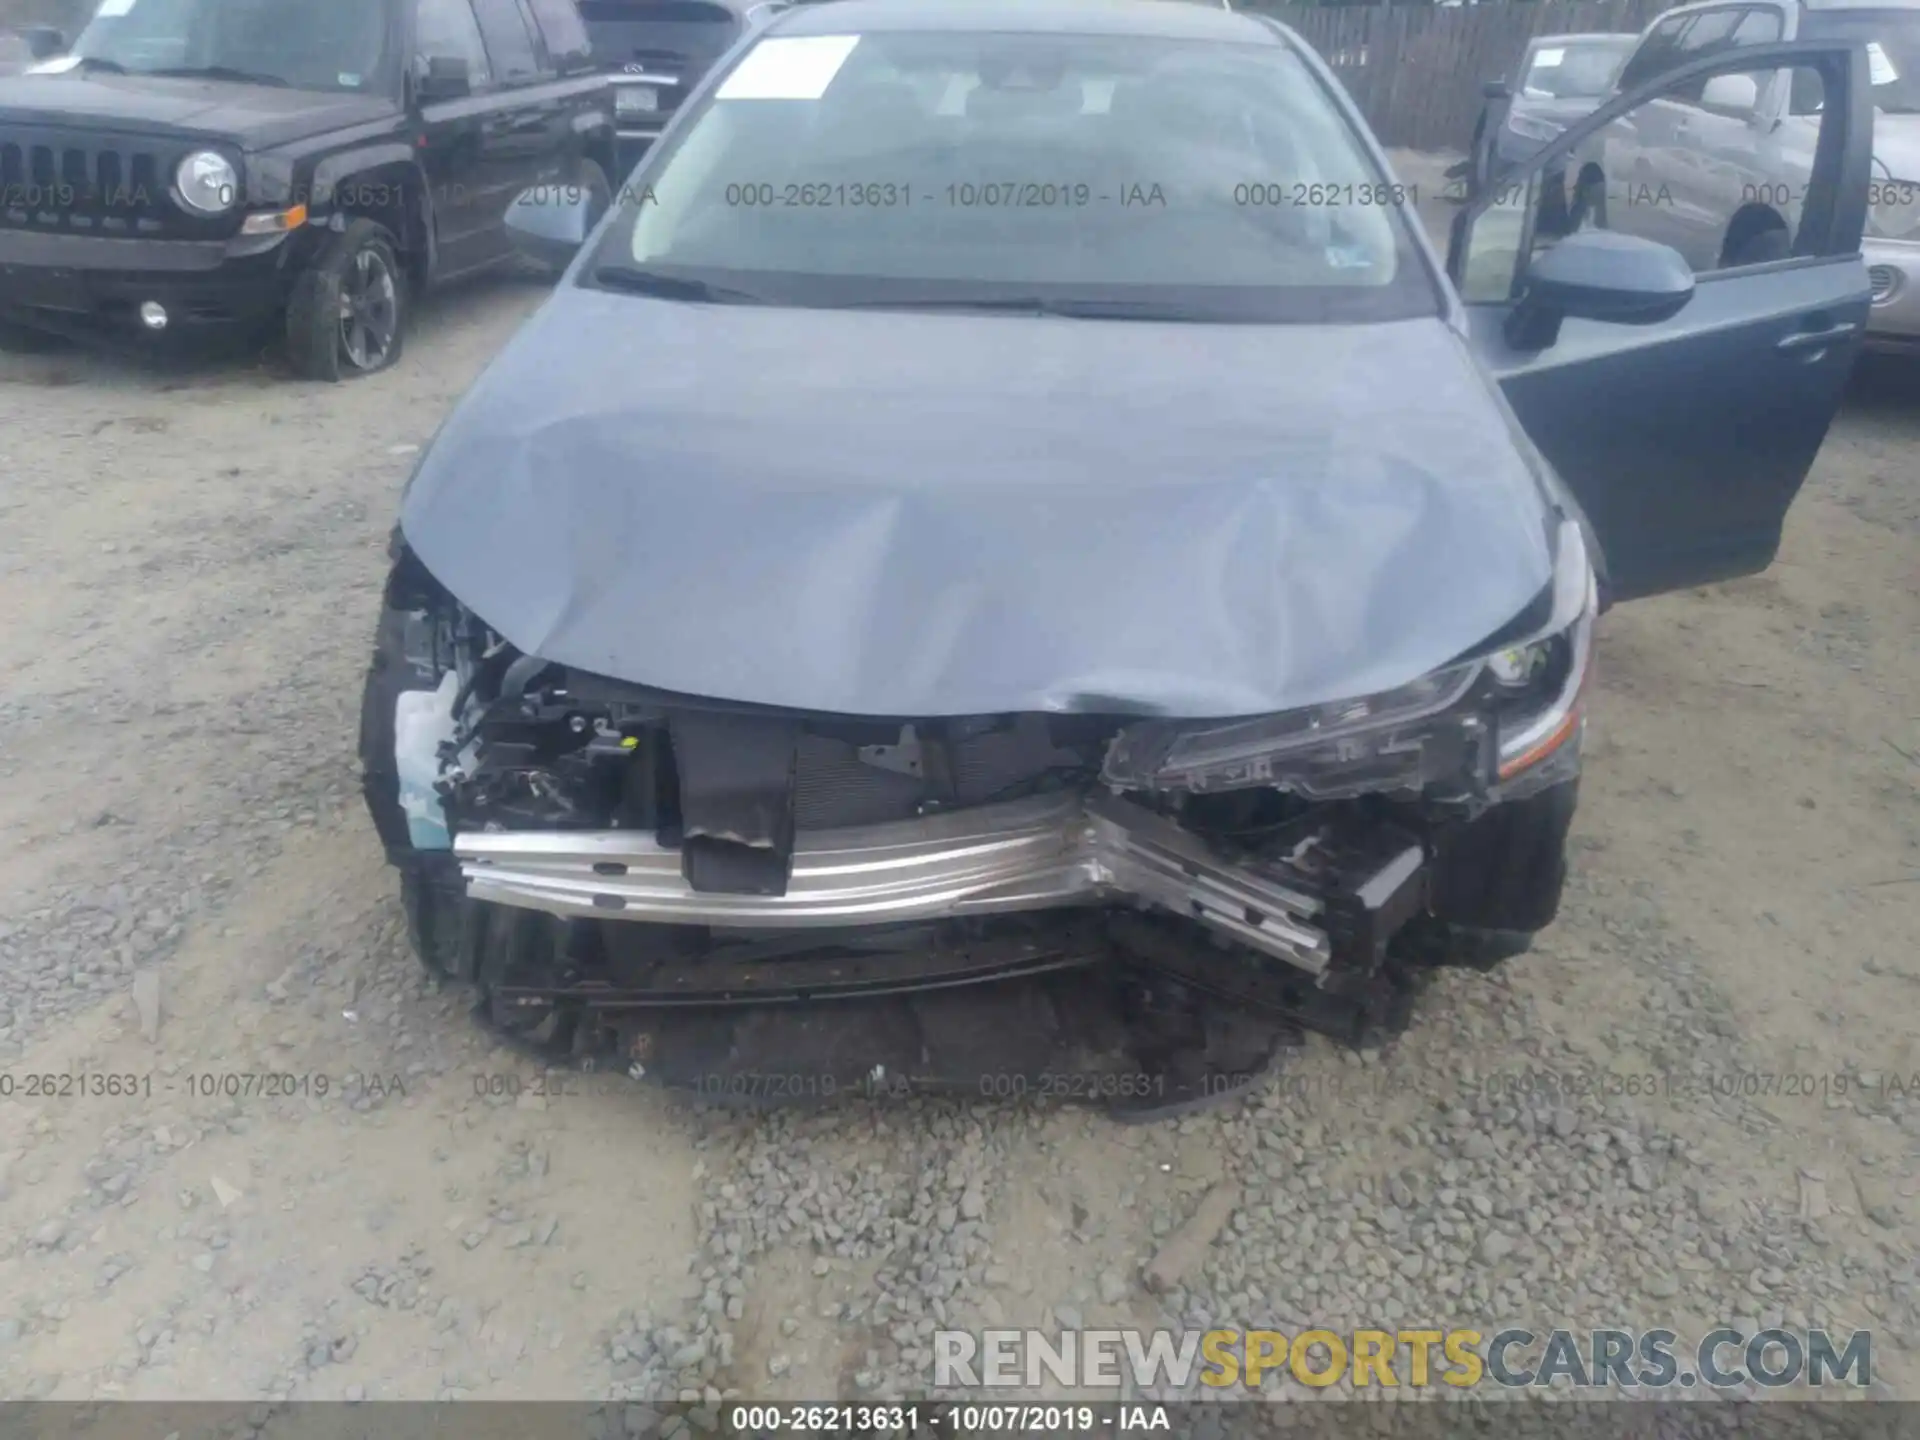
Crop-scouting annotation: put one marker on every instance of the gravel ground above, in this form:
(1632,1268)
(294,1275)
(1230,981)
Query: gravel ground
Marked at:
(189,891)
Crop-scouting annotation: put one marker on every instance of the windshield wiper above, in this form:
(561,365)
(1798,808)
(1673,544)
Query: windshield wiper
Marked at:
(671,287)
(1029,305)
(220,72)
(95,62)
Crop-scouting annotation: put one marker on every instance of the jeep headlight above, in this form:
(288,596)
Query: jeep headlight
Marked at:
(1461,731)
(207,183)
(1893,209)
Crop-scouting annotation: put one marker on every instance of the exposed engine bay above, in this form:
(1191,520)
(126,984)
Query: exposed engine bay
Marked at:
(711,892)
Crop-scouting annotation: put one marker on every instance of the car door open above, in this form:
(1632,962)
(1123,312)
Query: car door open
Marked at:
(1682,400)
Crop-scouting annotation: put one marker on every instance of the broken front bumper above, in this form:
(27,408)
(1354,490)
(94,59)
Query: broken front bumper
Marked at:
(1042,853)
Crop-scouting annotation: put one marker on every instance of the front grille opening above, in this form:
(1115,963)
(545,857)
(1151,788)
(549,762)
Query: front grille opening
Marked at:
(105,186)
(146,182)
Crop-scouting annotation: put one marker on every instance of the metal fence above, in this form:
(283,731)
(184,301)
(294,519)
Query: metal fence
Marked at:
(1416,70)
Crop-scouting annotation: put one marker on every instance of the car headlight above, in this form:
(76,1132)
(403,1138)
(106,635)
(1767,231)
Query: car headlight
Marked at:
(1893,209)
(1485,724)
(207,182)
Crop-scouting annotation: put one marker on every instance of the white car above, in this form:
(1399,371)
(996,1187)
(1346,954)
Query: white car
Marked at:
(1720,170)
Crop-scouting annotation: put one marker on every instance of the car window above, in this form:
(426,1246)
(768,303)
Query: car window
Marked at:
(565,36)
(1572,70)
(1710,33)
(1759,26)
(1205,179)
(1657,53)
(341,45)
(509,40)
(1688,179)
(446,30)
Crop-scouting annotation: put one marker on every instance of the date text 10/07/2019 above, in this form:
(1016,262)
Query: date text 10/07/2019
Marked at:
(47,1085)
(959,1420)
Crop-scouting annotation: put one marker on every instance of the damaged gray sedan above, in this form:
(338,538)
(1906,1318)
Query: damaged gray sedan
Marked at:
(1000,567)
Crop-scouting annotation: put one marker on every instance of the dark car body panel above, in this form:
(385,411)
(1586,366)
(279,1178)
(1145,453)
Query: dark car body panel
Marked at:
(1695,486)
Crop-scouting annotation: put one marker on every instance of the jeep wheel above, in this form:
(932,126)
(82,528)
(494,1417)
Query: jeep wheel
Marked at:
(348,313)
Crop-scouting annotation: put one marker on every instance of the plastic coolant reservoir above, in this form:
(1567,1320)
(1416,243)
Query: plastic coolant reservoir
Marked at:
(422,719)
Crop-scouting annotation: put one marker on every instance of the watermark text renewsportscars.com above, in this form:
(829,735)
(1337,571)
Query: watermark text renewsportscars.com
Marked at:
(1600,1359)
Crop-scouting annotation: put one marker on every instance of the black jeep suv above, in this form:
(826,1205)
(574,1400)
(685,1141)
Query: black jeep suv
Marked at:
(194,166)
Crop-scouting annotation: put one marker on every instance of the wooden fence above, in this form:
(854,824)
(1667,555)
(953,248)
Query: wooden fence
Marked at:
(1416,70)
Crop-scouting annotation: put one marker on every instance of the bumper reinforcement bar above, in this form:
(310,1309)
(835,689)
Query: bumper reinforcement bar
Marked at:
(1035,854)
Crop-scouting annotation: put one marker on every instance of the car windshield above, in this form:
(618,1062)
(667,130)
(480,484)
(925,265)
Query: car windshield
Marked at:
(1892,38)
(1119,174)
(308,44)
(1576,70)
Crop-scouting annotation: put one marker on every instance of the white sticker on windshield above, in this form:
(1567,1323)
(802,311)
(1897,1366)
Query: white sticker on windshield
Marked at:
(111,8)
(1547,59)
(59,65)
(1879,68)
(795,67)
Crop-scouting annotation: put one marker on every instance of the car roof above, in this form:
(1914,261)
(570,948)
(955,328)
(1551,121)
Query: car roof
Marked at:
(1784,4)
(1155,19)
(1585,37)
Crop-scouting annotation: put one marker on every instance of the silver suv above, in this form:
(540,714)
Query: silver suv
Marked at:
(1719,169)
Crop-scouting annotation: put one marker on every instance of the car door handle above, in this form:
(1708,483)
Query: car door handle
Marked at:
(1816,339)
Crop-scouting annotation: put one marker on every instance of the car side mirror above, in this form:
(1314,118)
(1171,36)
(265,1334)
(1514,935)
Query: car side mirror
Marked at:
(43,41)
(549,223)
(447,77)
(1738,93)
(1598,275)
(1495,90)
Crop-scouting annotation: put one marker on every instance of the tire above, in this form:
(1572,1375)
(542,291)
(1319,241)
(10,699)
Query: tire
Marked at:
(1758,248)
(1589,208)
(438,914)
(347,317)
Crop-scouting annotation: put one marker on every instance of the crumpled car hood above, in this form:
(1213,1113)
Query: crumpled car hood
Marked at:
(922,514)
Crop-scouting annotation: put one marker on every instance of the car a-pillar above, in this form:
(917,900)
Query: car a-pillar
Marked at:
(349,307)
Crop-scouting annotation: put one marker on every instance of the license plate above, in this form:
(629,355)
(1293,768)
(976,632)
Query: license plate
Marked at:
(636,100)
